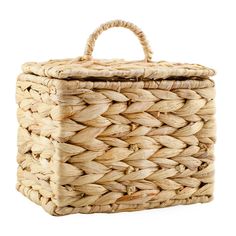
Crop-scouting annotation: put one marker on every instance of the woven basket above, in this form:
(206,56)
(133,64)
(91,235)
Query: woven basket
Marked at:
(115,135)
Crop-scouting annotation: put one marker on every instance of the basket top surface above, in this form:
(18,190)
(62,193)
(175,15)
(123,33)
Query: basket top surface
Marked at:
(110,69)
(87,68)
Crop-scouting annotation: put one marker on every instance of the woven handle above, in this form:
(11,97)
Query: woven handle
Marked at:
(117,23)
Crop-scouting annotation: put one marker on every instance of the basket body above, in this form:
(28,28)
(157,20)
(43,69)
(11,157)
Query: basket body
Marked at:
(96,146)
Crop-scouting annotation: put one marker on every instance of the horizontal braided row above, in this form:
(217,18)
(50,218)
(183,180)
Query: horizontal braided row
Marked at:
(53,209)
(103,150)
(70,87)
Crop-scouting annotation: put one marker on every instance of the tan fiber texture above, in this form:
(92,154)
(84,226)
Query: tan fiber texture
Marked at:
(111,135)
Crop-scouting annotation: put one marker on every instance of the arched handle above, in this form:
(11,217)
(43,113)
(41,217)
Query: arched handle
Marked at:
(117,23)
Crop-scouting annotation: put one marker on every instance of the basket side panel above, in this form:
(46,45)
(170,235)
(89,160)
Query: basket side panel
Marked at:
(36,147)
(108,147)
(134,148)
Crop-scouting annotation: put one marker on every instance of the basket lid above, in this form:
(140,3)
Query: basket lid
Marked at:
(86,67)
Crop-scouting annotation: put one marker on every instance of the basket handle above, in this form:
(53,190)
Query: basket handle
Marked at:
(117,23)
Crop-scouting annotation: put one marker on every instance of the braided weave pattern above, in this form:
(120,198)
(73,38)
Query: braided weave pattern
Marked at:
(97,148)
(115,70)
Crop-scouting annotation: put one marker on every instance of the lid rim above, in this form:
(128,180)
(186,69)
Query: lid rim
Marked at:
(68,69)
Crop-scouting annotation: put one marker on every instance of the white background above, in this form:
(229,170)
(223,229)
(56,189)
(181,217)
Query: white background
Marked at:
(200,31)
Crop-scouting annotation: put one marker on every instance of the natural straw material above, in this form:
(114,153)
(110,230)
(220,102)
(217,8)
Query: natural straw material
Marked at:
(113,135)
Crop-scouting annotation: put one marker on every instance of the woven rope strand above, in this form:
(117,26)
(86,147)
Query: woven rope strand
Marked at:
(117,23)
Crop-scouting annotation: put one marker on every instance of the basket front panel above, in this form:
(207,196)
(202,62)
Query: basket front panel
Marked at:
(109,150)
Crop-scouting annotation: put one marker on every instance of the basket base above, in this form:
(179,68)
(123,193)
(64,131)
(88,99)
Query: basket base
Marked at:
(54,210)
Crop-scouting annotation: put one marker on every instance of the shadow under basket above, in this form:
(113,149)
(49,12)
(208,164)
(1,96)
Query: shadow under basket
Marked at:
(115,135)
